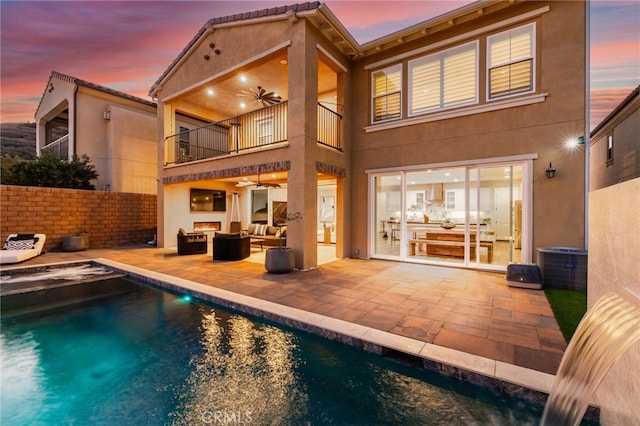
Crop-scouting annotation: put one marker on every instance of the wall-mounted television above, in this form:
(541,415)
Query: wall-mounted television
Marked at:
(207,200)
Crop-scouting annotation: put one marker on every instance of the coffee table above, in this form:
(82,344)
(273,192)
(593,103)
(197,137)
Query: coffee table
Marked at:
(258,241)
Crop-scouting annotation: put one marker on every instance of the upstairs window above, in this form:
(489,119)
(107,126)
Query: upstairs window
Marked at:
(511,61)
(443,80)
(609,150)
(387,90)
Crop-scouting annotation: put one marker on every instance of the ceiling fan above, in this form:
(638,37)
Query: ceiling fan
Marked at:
(262,96)
(257,184)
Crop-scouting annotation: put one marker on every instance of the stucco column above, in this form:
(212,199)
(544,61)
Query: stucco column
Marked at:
(302,185)
(166,124)
(343,193)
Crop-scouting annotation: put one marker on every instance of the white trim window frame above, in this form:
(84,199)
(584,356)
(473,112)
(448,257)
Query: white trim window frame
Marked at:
(511,62)
(447,79)
(386,94)
(265,130)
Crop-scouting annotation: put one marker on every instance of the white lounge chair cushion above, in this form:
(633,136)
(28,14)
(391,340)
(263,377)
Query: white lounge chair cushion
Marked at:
(18,248)
(20,245)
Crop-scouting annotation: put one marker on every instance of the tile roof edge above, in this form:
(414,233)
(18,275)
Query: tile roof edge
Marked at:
(104,89)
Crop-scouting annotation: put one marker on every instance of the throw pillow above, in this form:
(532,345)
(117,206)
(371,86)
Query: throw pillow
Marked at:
(261,230)
(252,229)
(19,245)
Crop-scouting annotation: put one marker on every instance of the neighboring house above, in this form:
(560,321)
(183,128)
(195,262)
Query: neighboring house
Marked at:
(455,119)
(117,131)
(615,145)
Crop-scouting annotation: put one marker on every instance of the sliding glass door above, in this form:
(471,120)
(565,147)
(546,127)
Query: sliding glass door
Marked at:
(388,193)
(468,216)
(496,210)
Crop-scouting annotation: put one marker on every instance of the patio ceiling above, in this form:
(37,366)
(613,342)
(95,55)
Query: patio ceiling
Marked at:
(223,95)
(275,177)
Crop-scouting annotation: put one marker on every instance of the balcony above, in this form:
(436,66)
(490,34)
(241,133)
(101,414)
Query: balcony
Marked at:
(257,129)
(58,148)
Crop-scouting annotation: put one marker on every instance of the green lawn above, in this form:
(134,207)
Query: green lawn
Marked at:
(569,306)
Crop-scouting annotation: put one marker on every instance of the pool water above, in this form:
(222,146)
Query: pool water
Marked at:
(147,357)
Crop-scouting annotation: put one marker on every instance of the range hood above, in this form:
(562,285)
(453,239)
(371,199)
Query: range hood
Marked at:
(434,192)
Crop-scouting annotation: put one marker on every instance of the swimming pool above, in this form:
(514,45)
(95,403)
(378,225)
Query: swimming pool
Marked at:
(144,356)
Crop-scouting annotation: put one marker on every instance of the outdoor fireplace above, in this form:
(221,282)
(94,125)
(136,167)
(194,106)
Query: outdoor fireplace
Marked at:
(206,226)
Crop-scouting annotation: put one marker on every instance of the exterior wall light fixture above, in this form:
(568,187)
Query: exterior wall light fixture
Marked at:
(551,171)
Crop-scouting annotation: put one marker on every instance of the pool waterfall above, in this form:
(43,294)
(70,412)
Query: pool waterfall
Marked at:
(605,333)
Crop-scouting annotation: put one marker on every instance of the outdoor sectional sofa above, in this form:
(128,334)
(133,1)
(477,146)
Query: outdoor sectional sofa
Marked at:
(272,236)
(20,247)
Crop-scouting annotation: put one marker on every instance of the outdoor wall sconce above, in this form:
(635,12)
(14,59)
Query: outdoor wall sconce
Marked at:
(551,171)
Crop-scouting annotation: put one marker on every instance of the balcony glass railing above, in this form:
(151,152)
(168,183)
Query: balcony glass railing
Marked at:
(58,148)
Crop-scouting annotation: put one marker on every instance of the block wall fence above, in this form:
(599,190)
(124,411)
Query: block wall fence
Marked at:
(110,218)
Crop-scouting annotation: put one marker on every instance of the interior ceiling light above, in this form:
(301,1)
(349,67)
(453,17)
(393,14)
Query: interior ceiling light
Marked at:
(247,182)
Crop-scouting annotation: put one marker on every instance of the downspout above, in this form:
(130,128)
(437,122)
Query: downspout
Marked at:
(75,115)
(587,134)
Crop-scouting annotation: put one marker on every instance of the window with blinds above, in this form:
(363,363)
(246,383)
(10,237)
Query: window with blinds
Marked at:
(443,80)
(511,61)
(387,89)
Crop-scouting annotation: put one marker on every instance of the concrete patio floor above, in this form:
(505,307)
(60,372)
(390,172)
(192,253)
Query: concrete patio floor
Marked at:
(473,312)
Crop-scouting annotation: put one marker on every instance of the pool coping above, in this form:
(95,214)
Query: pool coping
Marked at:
(518,381)
(531,385)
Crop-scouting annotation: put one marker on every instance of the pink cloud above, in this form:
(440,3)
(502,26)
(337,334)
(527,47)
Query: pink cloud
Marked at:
(368,20)
(604,101)
(128,47)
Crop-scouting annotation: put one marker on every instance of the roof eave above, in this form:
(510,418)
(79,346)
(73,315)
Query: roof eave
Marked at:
(448,20)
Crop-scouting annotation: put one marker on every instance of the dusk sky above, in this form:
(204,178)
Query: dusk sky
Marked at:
(127,45)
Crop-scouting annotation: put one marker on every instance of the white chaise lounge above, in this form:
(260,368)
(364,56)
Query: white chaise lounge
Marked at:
(20,247)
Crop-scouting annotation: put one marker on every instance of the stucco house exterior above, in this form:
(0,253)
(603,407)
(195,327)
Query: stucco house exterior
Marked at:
(115,130)
(384,146)
(615,144)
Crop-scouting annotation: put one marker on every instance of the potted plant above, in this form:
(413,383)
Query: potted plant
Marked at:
(77,242)
(280,260)
(447,223)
